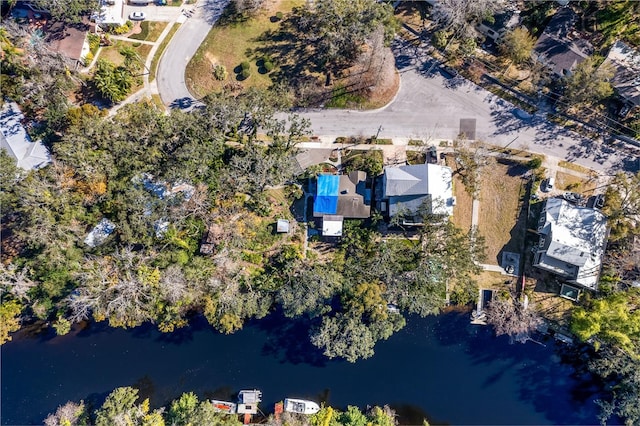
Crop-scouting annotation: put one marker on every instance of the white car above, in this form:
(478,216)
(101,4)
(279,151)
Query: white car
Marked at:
(137,16)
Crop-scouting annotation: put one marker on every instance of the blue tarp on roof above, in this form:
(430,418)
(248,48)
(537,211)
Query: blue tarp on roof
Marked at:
(326,201)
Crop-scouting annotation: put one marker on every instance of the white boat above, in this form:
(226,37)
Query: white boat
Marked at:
(301,406)
(224,406)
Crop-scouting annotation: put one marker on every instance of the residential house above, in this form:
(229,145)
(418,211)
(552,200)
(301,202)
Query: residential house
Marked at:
(16,141)
(407,190)
(559,46)
(339,197)
(572,242)
(68,40)
(626,79)
(501,23)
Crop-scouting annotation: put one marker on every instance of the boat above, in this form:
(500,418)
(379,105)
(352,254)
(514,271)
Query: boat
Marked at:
(224,406)
(300,406)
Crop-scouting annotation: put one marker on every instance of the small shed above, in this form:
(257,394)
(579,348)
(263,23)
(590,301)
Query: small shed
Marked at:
(283,226)
(332,225)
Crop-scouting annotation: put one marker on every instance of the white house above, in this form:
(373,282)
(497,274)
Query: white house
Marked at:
(408,189)
(16,141)
(572,242)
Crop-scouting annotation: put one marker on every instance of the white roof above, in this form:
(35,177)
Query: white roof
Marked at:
(111,13)
(407,186)
(99,233)
(577,243)
(626,64)
(332,226)
(14,139)
(440,186)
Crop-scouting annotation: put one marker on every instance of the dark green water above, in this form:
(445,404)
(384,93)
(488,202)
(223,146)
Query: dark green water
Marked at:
(441,367)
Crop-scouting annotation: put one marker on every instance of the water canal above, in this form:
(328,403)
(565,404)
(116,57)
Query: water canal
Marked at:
(440,367)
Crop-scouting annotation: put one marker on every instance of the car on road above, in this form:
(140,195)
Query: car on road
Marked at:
(137,16)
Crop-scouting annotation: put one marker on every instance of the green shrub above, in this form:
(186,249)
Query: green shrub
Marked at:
(279,16)
(220,72)
(535,163)
(245,74)
(245,65)
(268,66)
(94,43)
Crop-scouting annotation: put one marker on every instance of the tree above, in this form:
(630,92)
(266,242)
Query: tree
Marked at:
(338,28)
(517,45)
(589,83)
(9,319)
(469,163)
(120,409)
(622,205)
(308,289)
(613,320)
(112,82)
(183,409)
(371,162)
(619,370)
(69,414)
(461,15)
(70,11)
(187,411)
(353,417)
(508,316)
(344,336)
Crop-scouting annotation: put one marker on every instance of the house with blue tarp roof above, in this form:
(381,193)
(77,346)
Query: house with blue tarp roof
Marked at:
(341,196)
(326,201)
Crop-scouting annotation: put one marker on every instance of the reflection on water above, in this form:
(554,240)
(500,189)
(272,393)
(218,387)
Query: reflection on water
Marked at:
(441,368)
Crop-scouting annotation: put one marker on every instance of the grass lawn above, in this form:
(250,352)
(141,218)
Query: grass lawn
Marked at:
(550,305)
(492,280)
(160,51)
(112,53)
(150,31)
(500,220)
(462,209)
(573,183)
(227,45)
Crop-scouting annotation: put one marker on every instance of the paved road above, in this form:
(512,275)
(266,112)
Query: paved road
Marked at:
(430,106)
(184,44)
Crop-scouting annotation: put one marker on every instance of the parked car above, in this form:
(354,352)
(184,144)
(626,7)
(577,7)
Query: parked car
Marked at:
(572,197)
(548,185)
(599,201)
(138,16)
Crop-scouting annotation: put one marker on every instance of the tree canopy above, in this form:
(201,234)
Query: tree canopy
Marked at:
(517,45)
(589,83)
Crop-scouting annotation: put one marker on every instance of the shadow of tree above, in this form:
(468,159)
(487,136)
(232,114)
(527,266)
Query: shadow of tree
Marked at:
(214,10)
(289,340)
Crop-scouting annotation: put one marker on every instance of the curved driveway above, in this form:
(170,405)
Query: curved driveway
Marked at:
(184,44)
